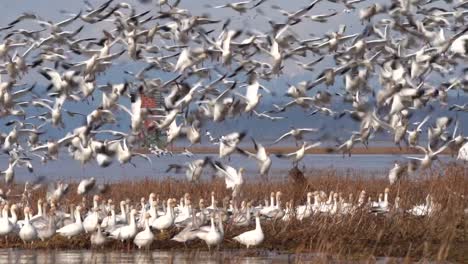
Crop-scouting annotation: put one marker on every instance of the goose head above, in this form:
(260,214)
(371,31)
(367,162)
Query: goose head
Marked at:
(26,211)
(201,204)
(278,197)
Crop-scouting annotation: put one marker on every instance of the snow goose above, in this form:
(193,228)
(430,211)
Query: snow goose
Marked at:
(167,220)
(288,212)
(382,206)
(429,155)
(189,232)
(122,218)
(98,238)
(193,169)
(347,208)
(14,217)
(109,221)
(91,221)
(6,226)
(73,229)
(48,231)
(212,237)
(395,173)
(27,232)
(304,211)
(413,136)
(228,143)
(298,155)
(213,202)
(253,237)
(232,178)
(63,218)
(125,155)
(262,158)
(275,211)
(426,209)
(268,207)
(242,218)
(126,232)
(145,237)
(39,211)
(296,133)
(85,185)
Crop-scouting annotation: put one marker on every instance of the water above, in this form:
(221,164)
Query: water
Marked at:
(68,169)
(141,257)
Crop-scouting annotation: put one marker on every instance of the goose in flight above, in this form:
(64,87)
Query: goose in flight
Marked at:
(429,155)
(232,177)
(53,147)
(413,136)
(396,173)
(347,146)
(228,143)
(193,169)
(297,15)
(296,133)
(299,154)
(240,7)
(262,158)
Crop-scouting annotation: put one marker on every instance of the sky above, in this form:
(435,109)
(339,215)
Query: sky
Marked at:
(262,130)
(56,10)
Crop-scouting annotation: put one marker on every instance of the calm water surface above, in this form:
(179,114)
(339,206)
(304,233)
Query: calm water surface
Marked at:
(68,169)
(88,256)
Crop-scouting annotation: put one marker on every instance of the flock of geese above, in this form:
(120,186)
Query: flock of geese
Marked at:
(401,65)
(137,222)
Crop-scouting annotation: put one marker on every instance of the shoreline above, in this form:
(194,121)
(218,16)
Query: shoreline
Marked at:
(372,150)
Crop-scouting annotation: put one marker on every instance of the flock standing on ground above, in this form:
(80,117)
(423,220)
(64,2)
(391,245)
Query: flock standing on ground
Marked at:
(137,222)
(394,69)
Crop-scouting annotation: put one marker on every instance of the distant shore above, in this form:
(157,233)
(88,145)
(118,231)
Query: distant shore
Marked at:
(372,150)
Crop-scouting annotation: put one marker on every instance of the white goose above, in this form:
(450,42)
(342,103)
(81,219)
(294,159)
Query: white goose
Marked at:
(274,211)
(212,237)
(167,220)
(262,158)
(298,155)
(27,232)
(265,209)
(48,231)
(109,221)
(424,209)
(228,143)
(232,178)
(305,211)
(6,226)
(381,206)
(254,237)
(98,238)
(126,232)
(145,237)
(91,221)
(429,155)
(73,229)
(242,219)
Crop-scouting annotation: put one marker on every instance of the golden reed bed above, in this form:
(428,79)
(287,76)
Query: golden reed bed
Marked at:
(443,236)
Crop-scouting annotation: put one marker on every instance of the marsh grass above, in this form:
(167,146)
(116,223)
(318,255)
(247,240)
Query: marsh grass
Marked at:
(441,236)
